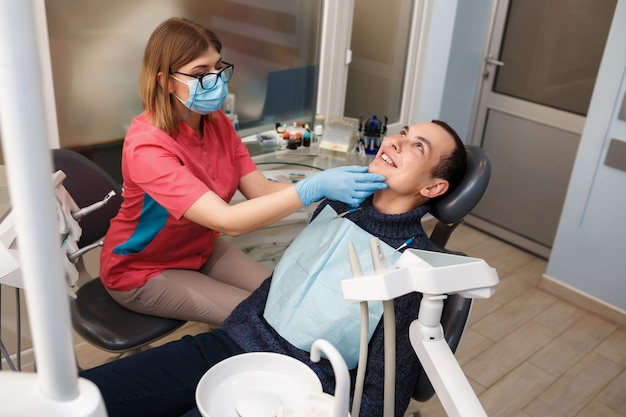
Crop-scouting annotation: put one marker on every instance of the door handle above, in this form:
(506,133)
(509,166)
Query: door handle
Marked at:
(491,60)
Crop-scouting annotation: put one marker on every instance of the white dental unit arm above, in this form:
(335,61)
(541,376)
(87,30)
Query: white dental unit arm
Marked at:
(55,389)
(433,274)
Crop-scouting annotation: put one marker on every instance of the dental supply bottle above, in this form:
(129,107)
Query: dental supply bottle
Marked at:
(318,128)
(318,132)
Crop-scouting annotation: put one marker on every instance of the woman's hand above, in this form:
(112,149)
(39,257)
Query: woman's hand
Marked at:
(348,184)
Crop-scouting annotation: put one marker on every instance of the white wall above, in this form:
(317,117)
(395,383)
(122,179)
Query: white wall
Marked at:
(471,28)
(588,253)
(437,30)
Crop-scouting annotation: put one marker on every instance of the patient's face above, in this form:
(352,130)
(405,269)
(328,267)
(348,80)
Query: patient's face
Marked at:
(407,158)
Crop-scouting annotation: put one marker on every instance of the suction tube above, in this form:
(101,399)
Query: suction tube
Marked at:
(355,266)
(390,357)
(389,317)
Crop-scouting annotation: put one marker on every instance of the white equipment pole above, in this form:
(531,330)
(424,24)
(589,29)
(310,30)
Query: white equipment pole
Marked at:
(55,390)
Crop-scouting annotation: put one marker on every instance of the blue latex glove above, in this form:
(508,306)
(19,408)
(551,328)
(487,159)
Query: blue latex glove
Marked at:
(348,184)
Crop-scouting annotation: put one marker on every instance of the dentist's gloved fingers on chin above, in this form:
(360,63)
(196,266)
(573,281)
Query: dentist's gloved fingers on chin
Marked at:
(356,198)
(370,186)
(345,184)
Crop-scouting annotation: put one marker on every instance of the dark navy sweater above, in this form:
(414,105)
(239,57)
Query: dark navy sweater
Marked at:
(247,327)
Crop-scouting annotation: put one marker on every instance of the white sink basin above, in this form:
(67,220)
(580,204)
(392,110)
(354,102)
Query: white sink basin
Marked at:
(254,385)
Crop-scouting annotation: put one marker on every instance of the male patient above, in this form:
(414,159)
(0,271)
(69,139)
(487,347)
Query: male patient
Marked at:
(284,315)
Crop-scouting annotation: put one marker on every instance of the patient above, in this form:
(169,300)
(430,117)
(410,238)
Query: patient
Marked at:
(420,163)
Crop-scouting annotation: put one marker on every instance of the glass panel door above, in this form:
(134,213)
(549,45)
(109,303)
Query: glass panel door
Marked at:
(552,51)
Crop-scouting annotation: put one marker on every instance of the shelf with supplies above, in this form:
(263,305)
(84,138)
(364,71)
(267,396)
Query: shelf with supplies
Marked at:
(334,134)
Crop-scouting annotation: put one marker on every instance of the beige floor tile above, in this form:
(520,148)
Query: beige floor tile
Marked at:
(514,314)
(465,238)
(597,409)
(572,345)
(481,308)
(614,347)
(508,353)
(515,390)
(614,394)
(511,287)
(492,251)
(536,266)
(521,414)
(560,316)
(574,389)
(472,344)
(509,260)
(530,272)
(476,387)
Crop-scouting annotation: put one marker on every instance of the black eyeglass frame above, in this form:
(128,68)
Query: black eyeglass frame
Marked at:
(225,76)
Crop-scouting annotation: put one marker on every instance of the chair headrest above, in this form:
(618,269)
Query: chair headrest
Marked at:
(455,205)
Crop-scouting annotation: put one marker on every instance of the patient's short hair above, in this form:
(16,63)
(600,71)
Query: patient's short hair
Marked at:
(451,167)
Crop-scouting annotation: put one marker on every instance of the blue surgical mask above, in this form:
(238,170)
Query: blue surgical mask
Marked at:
(204,101)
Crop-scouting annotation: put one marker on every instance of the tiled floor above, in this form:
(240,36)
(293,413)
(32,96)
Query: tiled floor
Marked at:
(526,353)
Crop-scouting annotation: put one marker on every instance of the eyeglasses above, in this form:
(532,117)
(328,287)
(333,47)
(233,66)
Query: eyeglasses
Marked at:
(209,80)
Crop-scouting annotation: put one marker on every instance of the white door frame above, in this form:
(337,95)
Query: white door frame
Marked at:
(334,56)
(432,26)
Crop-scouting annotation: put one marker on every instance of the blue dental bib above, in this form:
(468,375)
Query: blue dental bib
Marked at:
(305,301)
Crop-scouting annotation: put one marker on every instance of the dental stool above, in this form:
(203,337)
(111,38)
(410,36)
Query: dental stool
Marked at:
(96,316)
(449,212)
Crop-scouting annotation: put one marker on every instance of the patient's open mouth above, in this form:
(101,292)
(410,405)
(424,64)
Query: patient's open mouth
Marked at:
(387,159)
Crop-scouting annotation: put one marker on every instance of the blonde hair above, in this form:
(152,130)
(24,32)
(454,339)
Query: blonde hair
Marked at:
(174,43)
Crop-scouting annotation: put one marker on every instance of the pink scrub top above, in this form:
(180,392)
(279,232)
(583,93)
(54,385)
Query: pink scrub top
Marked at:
(163,177)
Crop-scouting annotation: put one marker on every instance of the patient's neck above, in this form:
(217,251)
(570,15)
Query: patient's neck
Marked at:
(389,202)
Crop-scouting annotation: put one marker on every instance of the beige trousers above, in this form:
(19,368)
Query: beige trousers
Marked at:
(207,295)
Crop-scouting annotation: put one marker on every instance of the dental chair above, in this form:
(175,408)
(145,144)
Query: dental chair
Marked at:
(97,317)
(449,212)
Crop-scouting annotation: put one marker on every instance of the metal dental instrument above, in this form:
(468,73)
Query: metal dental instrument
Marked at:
(345,213)
(75,256)
(79,214)
(406,243)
